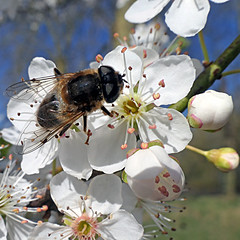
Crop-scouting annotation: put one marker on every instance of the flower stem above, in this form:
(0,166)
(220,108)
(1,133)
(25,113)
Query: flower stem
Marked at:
(54,167)
(203,47)
(197,150)
(210,74)
(230,72)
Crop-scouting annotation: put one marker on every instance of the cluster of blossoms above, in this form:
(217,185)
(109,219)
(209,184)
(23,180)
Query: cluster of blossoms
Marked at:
(137,139)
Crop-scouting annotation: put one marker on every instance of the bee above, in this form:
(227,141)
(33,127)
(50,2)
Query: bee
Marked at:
(63,98)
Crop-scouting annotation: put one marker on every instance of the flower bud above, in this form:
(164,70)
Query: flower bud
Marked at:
(153,175)
(225,159)
(210,110)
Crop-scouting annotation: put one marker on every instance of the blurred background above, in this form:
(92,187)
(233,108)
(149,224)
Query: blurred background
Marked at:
(73,32)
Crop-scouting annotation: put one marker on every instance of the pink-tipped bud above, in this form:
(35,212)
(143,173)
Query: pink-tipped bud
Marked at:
(210,110)
(225,159)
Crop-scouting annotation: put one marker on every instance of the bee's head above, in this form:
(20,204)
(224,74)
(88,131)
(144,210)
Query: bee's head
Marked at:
(112,83)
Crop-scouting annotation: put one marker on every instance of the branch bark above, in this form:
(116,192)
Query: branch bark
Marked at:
(210,74)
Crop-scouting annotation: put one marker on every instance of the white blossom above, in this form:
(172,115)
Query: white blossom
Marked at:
(184,17)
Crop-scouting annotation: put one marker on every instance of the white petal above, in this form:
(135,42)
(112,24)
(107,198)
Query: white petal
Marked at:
(22,111)
(186,18)
(94,65)
(17,230)
(144,10)
(104,150)
(198,66)
(33,161)
(73,155)
(121,226)
(178,74)
(40,67)
(49,231)
(66,191)
(105,191)
(3,230)
(115,59)
(175,134)
(11,135)
(147,55)
(219,1)
(129,199)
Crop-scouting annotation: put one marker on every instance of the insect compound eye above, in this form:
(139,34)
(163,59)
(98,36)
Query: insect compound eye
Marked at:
(112,83)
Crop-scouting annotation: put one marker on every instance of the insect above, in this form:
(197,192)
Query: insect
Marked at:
(63,98)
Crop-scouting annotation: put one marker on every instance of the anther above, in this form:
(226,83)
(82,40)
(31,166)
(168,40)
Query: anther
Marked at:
(99,58)
(24,221)
(152,126)
(170,117)
(144,145)
(161,83)
(131,130)
(156,96)
(115,35)
(111,126)
(124,50)
(124,146)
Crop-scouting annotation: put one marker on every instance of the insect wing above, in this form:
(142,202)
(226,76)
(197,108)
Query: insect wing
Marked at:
(32,139)
(32,89)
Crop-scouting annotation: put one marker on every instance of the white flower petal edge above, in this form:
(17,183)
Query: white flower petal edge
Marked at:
(66,191)
(121,226)
(32,162)
(47,231)
(172,129)
(144,10)
(178,74)
(73,155)
(187,18)
(17,230)
(109,200)
(219,1)
(3,230)
(108,142)
(40,67)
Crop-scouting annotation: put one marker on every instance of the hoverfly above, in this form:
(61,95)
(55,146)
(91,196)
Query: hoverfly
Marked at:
(63,98)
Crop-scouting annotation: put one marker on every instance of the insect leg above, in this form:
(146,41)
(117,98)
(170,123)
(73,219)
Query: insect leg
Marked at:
(64,129)
(106,111)
(85,123)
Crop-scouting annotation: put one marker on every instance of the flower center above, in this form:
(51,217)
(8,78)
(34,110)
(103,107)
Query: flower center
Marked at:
(130,108)
(83,227)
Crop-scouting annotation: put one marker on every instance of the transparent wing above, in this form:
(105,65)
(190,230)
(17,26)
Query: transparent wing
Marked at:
(36,87)
(33,138)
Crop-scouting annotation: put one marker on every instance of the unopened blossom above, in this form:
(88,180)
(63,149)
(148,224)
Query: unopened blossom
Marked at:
(153,175)
(225,159)
(89,211)
(15,194)
(210,110)
(184,17)
(137,112)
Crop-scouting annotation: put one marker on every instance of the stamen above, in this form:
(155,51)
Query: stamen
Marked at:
(99,58)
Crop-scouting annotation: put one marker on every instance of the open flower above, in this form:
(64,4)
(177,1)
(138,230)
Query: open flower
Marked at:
(210,110)
(185,18)
(15,194)
(89,211)
(136,111)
